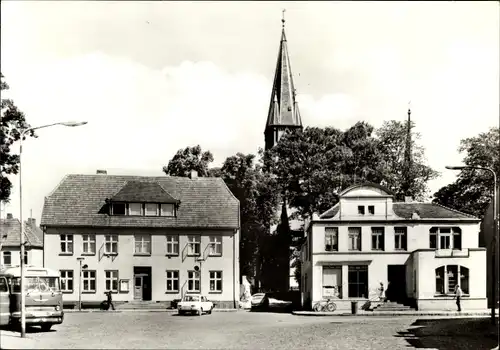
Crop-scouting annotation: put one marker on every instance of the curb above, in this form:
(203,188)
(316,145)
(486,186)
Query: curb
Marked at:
(171,311)
(392,314)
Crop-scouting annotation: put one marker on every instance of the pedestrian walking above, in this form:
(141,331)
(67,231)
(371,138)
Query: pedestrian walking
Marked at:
(458,296)
(110,300)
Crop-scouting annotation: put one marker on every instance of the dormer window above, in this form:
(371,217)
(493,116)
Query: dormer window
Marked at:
(135,209)
(361,209)
(143,209)
(167,210)
(151,209)
(119,209)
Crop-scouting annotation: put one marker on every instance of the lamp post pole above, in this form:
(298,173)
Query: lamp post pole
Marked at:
(80,285)
(21,224)
(495,239)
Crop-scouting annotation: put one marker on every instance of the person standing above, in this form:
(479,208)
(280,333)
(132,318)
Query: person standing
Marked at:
(381,292)
(458,296)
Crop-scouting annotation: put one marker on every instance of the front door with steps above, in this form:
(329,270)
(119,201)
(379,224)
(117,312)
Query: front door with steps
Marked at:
(396,288)
(142,283)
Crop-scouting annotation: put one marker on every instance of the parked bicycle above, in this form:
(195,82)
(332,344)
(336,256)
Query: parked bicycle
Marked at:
(325,305)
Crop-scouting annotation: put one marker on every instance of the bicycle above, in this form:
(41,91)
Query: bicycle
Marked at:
(325,305)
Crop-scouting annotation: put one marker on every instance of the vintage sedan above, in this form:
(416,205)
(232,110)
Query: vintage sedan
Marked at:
(195,304)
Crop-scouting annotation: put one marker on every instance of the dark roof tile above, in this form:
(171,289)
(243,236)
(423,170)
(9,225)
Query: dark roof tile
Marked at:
(142,191)
(78,200)
(9,234)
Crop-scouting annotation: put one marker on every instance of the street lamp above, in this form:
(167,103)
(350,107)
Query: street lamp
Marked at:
(495,239)
(21,232)
(80,259)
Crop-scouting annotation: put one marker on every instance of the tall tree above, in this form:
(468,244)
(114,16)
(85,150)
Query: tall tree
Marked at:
(187,159)
(473,189)
(255,191)
(392,145)
(12,123)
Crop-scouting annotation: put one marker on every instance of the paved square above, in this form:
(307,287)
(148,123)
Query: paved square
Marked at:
(247,330)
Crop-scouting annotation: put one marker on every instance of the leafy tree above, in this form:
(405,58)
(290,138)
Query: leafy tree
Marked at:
(255,191)
(12,123)
(187,159)
(473,189)
(391,149)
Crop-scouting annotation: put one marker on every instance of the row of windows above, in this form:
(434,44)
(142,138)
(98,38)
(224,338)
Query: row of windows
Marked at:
(7,258)
(361,209)
(440,238)
(142,209)
(172,283)
(142,244)
(354,238)
(447,277)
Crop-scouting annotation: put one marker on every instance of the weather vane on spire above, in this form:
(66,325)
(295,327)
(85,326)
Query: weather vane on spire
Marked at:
(283,17)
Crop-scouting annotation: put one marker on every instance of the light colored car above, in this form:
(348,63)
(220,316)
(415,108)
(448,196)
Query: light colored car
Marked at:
(257,298)
(195,304)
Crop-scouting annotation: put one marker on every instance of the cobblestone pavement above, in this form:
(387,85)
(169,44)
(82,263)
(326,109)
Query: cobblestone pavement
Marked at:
(246,330)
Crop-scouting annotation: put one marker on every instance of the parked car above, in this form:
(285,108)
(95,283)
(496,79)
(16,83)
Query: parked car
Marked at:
(195,304)
(257,299)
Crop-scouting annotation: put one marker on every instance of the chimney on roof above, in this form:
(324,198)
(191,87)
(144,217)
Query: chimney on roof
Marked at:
(408,199)
(194,174)
(9,216)
(101,172)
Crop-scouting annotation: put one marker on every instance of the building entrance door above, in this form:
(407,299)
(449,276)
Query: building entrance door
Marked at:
(138,287)
(396,289)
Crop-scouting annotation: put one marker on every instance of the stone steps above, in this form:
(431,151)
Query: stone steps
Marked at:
(392,306)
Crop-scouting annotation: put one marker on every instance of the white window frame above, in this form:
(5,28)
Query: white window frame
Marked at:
(379,234)
(448,236)
(400,235)
(169,213)
(215,276)
(89,276)
(172,276)
(215,246)
(354,232)
(111,276)
(137,206)
(150,213)
(88,242)
(144,242)
(172,244)
(331,235)
(194,241)
(446,281)
(65,278)
(9,255)
(194,277)
(67,241)
(112,240)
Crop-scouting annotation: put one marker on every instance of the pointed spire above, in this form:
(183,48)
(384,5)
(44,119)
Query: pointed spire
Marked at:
(408,166)
(283,108)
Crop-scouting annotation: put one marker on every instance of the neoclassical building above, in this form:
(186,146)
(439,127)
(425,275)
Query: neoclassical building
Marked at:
(419,251)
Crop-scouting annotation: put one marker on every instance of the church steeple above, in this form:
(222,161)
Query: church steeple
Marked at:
(284,111)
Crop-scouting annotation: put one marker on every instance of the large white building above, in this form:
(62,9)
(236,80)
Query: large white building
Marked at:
(143,238)
(419,251)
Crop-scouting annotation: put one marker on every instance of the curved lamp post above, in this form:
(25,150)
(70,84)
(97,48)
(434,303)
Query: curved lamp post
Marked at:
(495,238)
(21,232)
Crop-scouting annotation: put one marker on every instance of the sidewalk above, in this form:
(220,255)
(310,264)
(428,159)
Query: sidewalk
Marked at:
(470,313)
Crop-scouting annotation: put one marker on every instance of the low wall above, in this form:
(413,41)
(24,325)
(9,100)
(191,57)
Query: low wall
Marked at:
(451,304)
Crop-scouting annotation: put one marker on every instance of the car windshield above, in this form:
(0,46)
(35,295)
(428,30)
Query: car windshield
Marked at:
(191,298)
(37,284)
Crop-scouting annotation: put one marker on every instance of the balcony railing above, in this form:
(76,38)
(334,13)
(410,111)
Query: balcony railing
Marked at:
(452,253)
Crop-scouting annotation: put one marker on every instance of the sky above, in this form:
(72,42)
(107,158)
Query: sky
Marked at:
(153,77)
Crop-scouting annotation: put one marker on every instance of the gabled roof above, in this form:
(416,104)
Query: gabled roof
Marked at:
(141,191)
(9,234)
(80,200)
(283,108)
